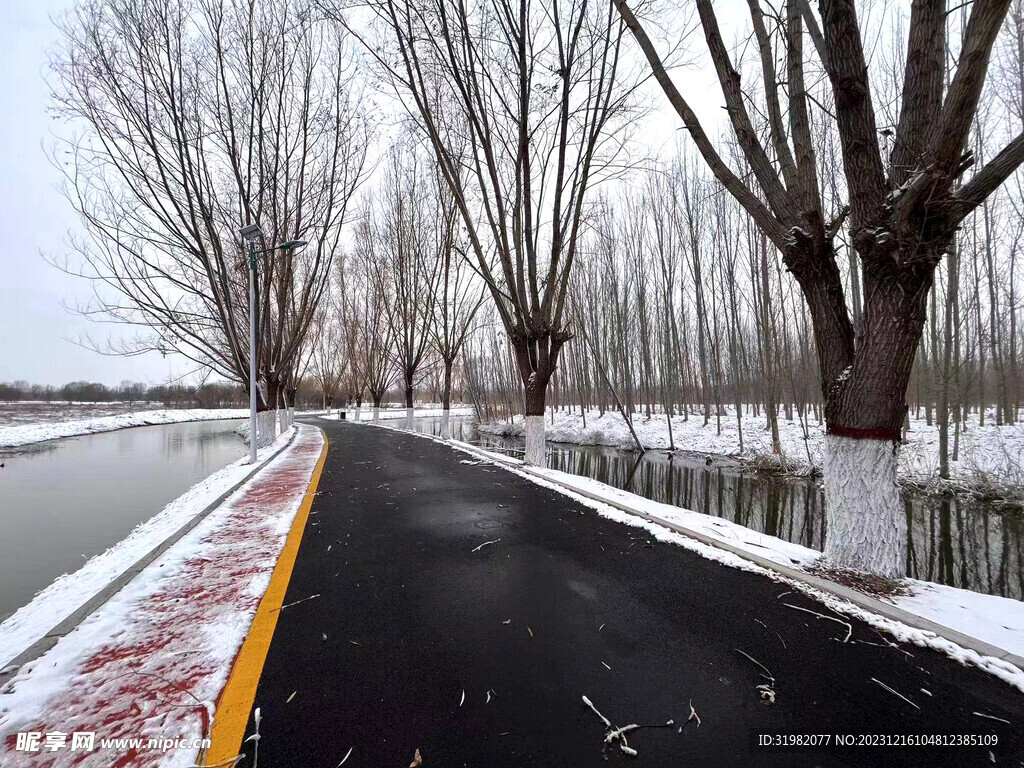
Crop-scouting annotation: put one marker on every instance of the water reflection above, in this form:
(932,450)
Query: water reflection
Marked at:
(63,501)
(962,543)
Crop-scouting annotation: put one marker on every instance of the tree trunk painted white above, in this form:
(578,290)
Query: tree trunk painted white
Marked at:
(266,428)
(376,413)
(535,440)
(356,413)
(446,431)
(866,524)
(409,416)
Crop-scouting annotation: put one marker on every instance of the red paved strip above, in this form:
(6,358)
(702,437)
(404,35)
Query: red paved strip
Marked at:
(152,661)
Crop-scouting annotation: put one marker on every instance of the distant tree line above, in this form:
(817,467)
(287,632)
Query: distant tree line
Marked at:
(207,395)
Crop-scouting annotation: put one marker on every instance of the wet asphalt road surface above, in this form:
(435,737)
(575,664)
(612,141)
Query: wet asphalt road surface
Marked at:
(420,628)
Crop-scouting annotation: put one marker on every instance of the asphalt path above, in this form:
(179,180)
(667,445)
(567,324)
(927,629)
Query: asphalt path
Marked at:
(426,637)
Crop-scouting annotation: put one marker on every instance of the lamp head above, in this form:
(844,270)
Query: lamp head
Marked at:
(251,233)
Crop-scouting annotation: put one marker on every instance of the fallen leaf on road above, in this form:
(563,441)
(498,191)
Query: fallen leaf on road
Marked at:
(291,697)
(530,631)
(417,760)
(463,699)
(345,757)
(507,621)
(354,642)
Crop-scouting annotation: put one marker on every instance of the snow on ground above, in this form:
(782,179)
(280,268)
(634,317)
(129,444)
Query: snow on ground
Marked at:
(998,621)
(24,434)
(31,411)
(420,412)
(152,661)
(988,454)
(61,598)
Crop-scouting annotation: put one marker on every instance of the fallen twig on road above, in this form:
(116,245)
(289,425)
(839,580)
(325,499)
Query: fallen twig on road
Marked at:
(345,757)
(896,693)
(475,549)
(991,717)
(848,625)
(590,704)
(618,735)
(765,690)
(693,715)
(769,675)
(289,605)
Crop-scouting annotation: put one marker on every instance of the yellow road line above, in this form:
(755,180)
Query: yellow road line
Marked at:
(232,714)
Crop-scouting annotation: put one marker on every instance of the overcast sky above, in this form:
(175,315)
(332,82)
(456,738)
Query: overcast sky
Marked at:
(37,333)
(35,329)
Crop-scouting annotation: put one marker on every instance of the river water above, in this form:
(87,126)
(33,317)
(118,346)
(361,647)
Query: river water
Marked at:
(63,501)
(962,543)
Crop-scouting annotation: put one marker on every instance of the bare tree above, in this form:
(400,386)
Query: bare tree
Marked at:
(456,296)
(408,246)
(902,220)
(370,299)
(197,118)
(519,103)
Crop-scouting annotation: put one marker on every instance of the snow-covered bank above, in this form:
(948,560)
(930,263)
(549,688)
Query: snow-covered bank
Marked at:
(388,414)
(989,455)
(152,661)
(25,434)
(59,600)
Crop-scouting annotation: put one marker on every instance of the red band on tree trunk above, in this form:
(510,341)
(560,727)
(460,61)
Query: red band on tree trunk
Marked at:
(861,433)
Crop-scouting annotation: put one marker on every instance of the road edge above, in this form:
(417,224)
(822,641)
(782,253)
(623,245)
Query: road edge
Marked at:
(231,711)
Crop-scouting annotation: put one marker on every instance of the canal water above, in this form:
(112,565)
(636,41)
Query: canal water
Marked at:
(958,542)
(63,501)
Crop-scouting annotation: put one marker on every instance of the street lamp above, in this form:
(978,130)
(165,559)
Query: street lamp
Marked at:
(253,235)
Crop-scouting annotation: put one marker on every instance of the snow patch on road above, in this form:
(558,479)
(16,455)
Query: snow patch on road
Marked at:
(25,434)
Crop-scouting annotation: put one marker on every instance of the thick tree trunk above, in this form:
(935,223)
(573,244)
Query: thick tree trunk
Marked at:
(409,409)
(864,411)
(535,443)
(446,401)
(536,359)
(865,524)
(268,394)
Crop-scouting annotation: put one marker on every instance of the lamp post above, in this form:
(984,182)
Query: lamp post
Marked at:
(252,234)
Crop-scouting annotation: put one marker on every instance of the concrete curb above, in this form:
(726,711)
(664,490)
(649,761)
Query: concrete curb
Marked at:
(859,599)
(50,639)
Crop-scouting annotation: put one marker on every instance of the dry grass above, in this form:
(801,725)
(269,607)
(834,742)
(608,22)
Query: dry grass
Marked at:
(876,586)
